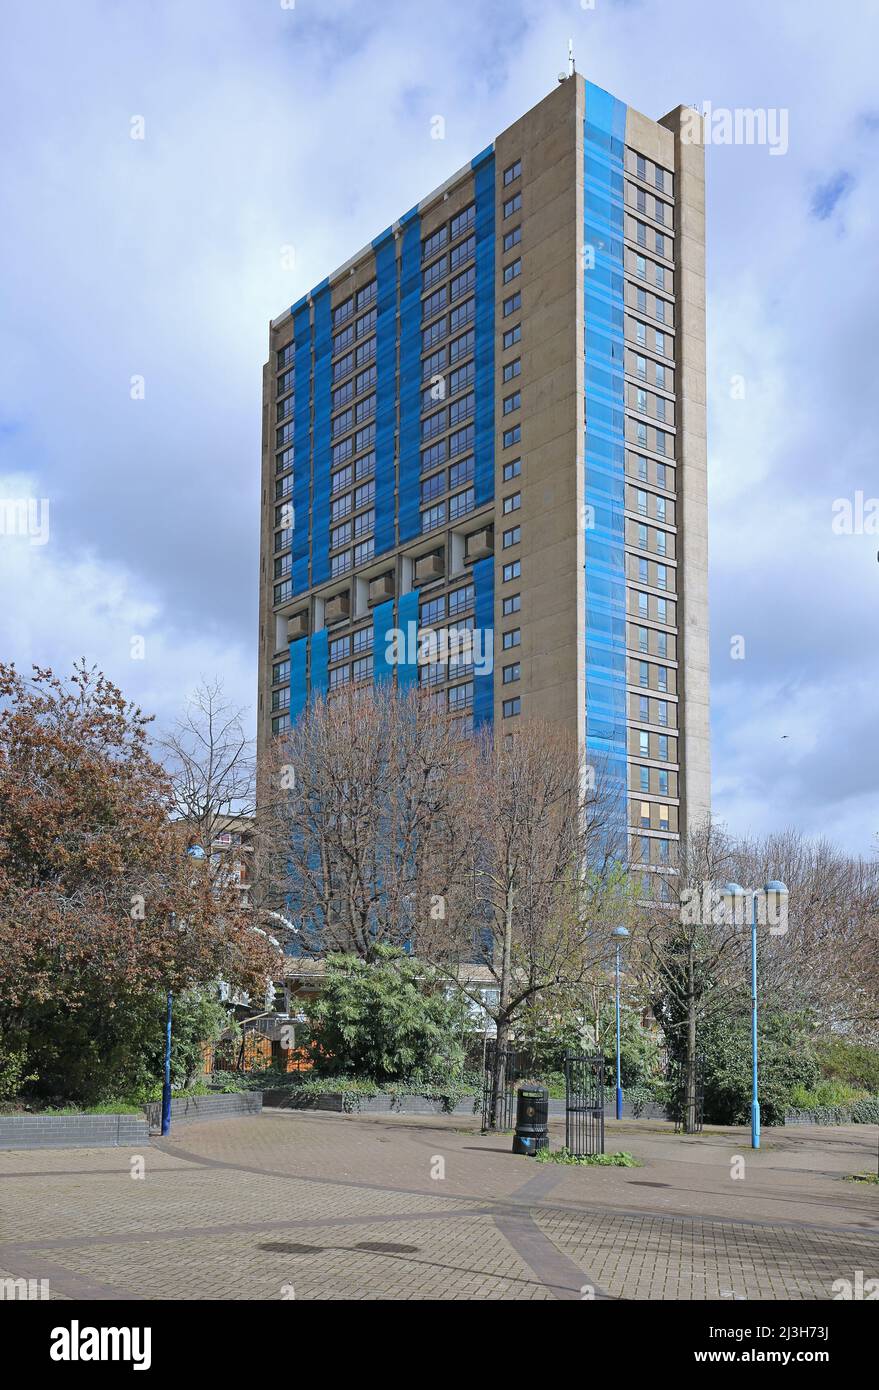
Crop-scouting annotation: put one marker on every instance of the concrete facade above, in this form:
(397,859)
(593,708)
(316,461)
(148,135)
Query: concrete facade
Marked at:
(583,382)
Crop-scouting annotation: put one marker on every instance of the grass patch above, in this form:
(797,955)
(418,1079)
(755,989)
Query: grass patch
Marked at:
(864,1177)
(617,1160)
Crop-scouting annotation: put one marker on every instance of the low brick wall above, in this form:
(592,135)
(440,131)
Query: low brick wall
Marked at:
(205,1107)
(72,1131)
(284,1099)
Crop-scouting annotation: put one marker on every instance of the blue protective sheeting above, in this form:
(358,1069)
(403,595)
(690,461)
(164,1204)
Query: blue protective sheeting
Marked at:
(382,626)
(320,464)
(319,655)
(301,446)
(410,380)
(407,613)
(298,683)
(483,481)
(603,212)
(483,684)
(386,390)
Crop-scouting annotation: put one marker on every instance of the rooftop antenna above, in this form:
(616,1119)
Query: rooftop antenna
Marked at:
(563,76)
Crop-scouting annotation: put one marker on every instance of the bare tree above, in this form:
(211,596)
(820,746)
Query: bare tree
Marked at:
(363,819)
(211,762)
(547,875)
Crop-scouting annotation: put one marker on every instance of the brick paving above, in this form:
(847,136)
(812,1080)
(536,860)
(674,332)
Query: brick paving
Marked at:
(319,1206)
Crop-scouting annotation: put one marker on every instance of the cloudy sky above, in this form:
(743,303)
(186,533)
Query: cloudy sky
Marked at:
(269,125)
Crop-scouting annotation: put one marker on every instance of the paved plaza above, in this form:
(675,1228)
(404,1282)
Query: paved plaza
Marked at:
(320,1206)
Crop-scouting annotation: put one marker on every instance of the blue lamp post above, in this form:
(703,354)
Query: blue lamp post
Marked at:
(194,852)
(619,933)
(735,897)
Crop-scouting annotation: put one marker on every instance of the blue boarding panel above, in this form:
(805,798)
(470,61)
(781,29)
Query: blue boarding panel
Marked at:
(382,627)
(483,615)
(301,445)
(319,657)
(410,378)
(604,388)
(483,481)
(320,445)
(298,678)
(386,390)
(407,622)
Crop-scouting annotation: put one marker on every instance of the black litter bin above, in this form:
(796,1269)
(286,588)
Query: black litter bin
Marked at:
(532,1115)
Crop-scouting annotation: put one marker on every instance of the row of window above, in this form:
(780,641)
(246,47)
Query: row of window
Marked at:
(355,304)
(459,225)
(649,172)
(653,780)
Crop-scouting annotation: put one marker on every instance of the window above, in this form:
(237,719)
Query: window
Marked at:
(658,176)
(512,707)
(512,336)
(365,325)
(284,460)
(460,600)
(433,517)
(460,473)
(644,744)
(642,503)
(642,605)
(433,611)
(433,335)
(462,283)
(661,577)
(343,366)
(661,475)
(660,376)
(512,238)
(641,368)
(340,648)
(661,537)
(512,172)
(342,422)
(645,814)
(662,713)
(364,409)
(462,503)
(640,200)
(512,604)
(512,470)
(343,312)
(340,564)
(461,440)
(362,640)
(435,242)
(512,639)
(642,537)
(512,436)
(364,352)
(642,469)
(432,457)
(364,552)
(340,535)
(662,678)
(339,676)
(281,671)
(644,779)
(662,740)
(643,674)
(284,435)
(659,339)
(462,252)
(462,314)
(660,408)
(643,574)
(512,570)
(640,268)
(641,435)
(364,523)
(513,502)
(362,668)
(512,369)
(659,212)
(286,354)
(460,409)
(340,507)
(663,818)
(460,696)
(366,295)
(663,848)
(281,698)
(434,424)
(640,166)
(641,233)
(641,334)
(660,278)
(280,723)
(365,380)
(434,303)
(344,339)
(364,495)
(512,204)
(512,304)
(659,309)
(512,270)
(511,537)
(461,347)
(643,640)
(285,382)
(512,673)
(513,402)
(662,644)
(462,222)
(284,539)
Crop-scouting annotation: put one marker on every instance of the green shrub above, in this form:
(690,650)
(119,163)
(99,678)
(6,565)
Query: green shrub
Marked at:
(787,1064)
(857,1064)
(389,1019)
(866,1111)
(616,1160)
(824,1094)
